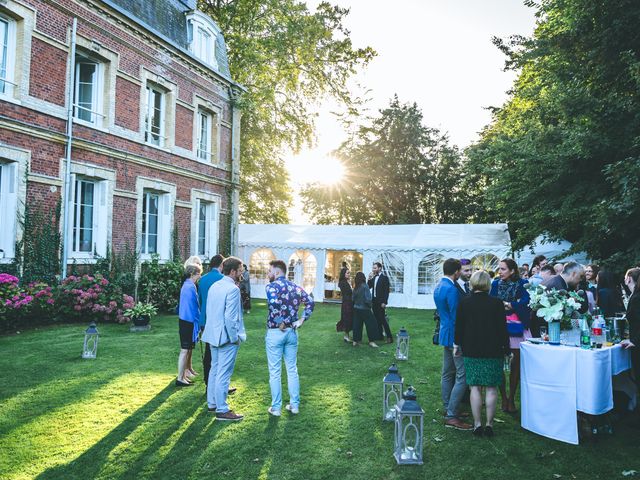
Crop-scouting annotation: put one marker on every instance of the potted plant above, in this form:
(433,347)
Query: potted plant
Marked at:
(141,313)
(557,307)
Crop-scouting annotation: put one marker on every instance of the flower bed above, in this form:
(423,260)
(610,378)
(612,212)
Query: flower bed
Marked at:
(92,298)
(84,298)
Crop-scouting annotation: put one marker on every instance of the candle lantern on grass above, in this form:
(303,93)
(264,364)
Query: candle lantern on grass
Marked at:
(90,348)
(402,346)
(392,386)
(409,429)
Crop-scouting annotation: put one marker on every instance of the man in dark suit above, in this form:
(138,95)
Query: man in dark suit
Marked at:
(379,285)
(568,280)
(462,284)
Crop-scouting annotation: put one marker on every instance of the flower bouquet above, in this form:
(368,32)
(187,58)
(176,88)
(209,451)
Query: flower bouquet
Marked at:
(557,307)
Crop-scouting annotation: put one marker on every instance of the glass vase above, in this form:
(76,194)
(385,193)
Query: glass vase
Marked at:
(554,333)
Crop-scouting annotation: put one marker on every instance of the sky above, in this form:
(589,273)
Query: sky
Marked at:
(437,53)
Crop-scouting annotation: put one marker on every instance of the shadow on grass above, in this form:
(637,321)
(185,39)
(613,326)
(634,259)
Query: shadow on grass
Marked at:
(93,460)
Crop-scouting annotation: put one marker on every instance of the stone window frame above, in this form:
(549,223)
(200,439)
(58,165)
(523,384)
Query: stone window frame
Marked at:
(169,91)
(214,199)
(22,159)
(215,111)
(107,178)
(22,19)
(108,61)
(165,225)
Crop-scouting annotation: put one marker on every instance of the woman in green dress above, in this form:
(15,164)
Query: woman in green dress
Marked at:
(481,337)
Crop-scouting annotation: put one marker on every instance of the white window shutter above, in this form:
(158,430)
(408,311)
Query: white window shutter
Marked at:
(213,229)
(164,227)
(195,226)
(9,206)
(70,205)
(100,217)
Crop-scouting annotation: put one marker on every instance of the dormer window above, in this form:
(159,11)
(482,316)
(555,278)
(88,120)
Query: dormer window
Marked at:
(204,34)
(203,45)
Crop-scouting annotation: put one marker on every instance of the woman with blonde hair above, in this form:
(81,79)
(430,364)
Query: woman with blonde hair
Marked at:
(193,260)
(482,339)
(188,323)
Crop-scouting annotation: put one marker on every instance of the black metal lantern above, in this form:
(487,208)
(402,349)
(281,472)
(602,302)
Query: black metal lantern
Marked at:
(90,348)
(402,346)
(408,430)
(392,386)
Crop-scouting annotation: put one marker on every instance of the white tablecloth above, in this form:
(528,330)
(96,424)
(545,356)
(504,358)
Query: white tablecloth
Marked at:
(558,381)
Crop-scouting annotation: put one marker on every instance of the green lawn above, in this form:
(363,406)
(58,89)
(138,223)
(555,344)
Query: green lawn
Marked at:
(121,417)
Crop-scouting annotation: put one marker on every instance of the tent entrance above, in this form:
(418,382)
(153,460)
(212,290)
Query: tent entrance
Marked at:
(333,265)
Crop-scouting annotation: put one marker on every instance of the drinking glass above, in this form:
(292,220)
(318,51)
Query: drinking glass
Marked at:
(544,334)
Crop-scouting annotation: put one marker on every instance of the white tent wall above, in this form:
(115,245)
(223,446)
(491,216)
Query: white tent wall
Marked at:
(413,243)
(258,287)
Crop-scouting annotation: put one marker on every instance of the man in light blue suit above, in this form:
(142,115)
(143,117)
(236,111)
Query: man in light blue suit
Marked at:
(215,274)
(453,384)
(224,331)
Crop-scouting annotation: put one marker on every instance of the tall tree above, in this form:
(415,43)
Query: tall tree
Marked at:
(397,171)
(289,58)
(562,155)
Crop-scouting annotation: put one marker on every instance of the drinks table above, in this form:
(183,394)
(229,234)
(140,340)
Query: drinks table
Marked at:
(558,381)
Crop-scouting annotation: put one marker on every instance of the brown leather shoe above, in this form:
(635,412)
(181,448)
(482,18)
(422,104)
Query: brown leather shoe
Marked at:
(457,424)
(229,416)
(462,415)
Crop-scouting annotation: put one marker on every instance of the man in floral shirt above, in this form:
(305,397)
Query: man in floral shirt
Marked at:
(284,298)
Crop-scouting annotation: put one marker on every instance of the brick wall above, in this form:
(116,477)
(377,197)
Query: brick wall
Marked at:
(184,127)
(127,104)
(42,132)
(48,72)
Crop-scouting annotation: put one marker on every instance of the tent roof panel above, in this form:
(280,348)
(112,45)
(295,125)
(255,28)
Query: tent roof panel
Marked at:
(378,237)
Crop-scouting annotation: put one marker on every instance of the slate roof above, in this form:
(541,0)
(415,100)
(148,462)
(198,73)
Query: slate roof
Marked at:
(167,19)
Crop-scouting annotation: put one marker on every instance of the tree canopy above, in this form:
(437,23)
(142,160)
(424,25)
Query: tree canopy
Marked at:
(397,171)
(289,58)
(562,155)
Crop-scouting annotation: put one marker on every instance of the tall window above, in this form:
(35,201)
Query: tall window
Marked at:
(150,223)
(87,92)
(202,228)
(429,273)
(83,211)
(204,46)
(8,209)
(7,54)
(207,234)
(203,39)
(205,124)
(154,118)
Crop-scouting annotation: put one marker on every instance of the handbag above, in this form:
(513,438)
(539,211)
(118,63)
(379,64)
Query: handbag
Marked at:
(514,326)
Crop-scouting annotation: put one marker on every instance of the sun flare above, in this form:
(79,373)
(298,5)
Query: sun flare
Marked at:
(325,170)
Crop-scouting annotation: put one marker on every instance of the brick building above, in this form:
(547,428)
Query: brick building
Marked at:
(154,144)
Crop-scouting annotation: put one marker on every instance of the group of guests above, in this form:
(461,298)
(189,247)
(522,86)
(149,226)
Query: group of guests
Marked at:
(211,310)
(483,320)
(364,305)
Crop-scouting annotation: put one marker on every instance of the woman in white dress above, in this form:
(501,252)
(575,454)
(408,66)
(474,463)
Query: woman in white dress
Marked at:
(298,271)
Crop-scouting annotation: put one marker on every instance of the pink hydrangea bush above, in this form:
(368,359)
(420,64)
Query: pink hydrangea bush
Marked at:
(92,298)
(22,303)
(10,295)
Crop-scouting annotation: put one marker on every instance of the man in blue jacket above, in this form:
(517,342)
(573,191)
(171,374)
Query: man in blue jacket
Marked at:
(206,281)
(453,384)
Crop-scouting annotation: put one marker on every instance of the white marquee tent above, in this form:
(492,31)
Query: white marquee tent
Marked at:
(412,255)
(556,251)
